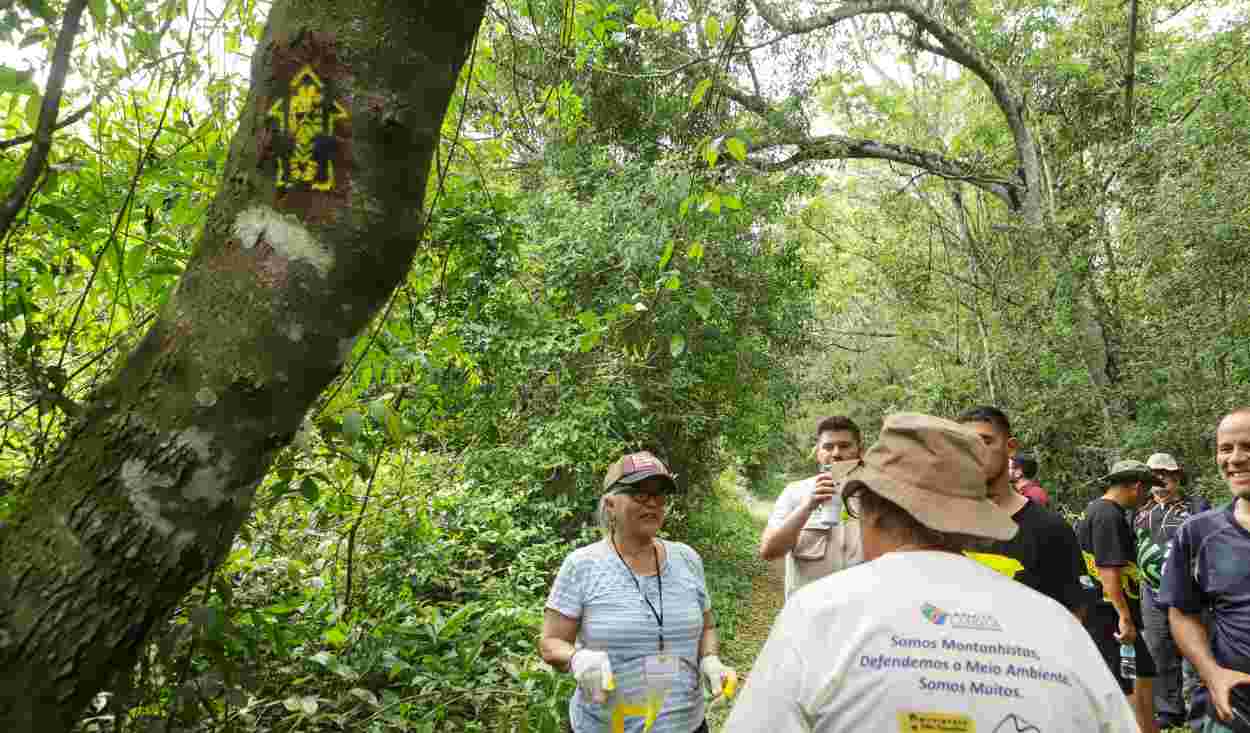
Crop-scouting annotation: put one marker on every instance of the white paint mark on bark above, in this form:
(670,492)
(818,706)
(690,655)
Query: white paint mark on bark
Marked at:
(206,397)
(286,235)
(208,481)
(141,483)
(295,332)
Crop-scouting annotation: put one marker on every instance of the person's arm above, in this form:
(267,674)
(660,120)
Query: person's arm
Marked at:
(709,645)
(1110,578)
(556,645)
(789,516)
(1191,638)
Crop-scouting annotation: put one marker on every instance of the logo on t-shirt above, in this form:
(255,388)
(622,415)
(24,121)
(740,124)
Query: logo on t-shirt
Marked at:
(1015,724)
(959,619)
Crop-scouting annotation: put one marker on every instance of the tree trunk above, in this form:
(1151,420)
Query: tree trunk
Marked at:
(314,225)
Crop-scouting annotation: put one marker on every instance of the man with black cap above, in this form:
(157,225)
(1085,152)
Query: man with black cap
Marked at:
(919,637)
(1110,551)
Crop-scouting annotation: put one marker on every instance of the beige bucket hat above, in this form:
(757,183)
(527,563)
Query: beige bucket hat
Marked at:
(934,469)
(1162,462)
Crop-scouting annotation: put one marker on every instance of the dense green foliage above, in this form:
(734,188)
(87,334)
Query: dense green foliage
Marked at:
(607,268)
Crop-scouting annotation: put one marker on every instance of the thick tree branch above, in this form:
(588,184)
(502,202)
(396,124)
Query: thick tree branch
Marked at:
(38,154)
(839,147)
(950,44)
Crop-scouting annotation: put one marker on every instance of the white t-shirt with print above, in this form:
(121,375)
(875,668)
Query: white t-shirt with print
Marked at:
(928,642)
(841,543)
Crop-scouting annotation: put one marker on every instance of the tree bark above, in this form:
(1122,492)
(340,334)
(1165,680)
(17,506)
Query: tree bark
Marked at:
(313,226)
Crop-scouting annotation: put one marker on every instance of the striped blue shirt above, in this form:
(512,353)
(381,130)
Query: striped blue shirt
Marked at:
(596,587)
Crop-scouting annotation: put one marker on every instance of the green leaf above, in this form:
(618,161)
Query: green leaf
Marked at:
(731,202)
(99,13)
(673,282)
(587,341)
(588,319)
(685,205)
(335,636)
(668,254)
(711,29)
(699,91)
(711,202)
(353,422)
(677,345)
(703,300)
(33,107)
(711,154)
(308,487)
(394,425)
(39,8)
(646,19)
(57,214)
(695,253)
(135,259)
(377,411)
(736,148)
(634,403)
(13,81)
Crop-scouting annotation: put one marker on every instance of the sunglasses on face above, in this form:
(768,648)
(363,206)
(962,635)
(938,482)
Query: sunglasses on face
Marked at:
(643,493)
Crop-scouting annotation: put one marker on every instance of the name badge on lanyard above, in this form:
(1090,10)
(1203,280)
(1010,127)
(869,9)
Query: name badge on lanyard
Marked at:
(659,672)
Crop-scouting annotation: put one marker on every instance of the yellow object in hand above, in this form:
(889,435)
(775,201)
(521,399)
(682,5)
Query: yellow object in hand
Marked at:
(609,679)
(731,684)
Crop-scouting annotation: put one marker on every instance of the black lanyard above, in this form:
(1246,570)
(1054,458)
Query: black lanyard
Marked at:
(659,578)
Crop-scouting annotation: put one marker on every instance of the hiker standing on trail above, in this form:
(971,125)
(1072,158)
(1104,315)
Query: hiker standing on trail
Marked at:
(1044,555)
(809,524)
(919,637)
(1206,569)
(630,615)
(1156,524)
(1110,552)
(1023,473)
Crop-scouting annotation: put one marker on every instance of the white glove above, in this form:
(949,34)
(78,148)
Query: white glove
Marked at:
(593,672)
(718,676)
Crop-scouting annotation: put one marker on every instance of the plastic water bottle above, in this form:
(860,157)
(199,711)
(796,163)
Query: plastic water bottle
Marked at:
(1128,662)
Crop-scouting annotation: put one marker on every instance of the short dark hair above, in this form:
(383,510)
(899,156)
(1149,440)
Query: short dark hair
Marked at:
(987,414)
(890,517)
(838,422)
(1027,465)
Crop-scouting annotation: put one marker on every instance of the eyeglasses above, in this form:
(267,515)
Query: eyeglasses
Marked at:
(643,493)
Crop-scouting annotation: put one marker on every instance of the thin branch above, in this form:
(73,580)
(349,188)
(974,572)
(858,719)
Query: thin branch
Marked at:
(38,154)
(82,111)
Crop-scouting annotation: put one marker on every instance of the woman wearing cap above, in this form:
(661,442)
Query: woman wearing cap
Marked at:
(630,617)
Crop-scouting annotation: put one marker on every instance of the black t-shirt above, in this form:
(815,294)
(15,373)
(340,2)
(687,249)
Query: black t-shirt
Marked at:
(1043,555)
(1107,541)
(1207,568)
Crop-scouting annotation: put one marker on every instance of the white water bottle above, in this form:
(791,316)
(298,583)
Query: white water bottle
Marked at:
(1128,662)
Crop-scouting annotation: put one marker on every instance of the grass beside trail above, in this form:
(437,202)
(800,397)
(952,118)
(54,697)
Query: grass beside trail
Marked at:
(747,593)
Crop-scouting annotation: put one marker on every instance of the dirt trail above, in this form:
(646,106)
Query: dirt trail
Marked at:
(763,605)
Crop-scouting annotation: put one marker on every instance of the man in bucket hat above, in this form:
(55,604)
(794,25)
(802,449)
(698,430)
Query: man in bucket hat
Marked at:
(1110,551)
(919,637)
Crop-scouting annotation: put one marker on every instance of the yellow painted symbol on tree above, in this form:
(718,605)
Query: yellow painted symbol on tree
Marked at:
(306,119)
